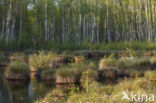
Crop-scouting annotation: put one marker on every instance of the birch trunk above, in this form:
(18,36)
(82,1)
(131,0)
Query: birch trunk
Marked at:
(84,28)
(68,27)
(8,20)
(46,21)
(108,31)
(97,31)
(63,35)
(79,28)
(21,16)
(3,27)
(53,29)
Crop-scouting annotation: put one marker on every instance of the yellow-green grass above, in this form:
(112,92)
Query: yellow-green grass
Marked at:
(125,63)
(48,74)
(151,75)
(18,57)
(17,70)
(41,60)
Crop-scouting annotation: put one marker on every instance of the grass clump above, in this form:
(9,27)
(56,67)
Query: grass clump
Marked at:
(67,75)
(126,63)
(110,74)
(17,67)
(153,60)
(128,52)
(151,75)
(18,57)
(107,63)
(142,62)
(48,74)
(41,60)
(67,72)
(17,71)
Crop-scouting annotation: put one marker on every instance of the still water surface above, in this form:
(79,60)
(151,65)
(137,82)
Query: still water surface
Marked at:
(21,92)
(26,92)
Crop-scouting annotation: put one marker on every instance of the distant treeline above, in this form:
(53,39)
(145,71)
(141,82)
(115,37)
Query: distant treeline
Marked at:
(44,23)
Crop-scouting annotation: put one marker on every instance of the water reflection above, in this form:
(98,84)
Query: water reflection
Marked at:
(21,91)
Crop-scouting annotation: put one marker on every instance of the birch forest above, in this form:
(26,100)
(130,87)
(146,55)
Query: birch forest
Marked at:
(31,23)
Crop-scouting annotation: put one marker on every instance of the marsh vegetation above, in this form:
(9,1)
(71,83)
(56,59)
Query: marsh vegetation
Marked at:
(76,51)
(83,78)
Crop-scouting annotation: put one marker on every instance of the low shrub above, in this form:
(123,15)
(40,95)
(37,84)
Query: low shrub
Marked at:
(41,60)
(88,77)
(92,95)
(128,52)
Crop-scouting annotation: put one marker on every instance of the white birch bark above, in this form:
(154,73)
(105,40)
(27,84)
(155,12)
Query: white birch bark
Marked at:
(84,28)
(63,29)
(97,31)
(8,20)
(68,27)
(46,21)
(108,31)
(21,17)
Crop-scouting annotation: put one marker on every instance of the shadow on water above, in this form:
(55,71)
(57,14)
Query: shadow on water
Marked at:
(21,91)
